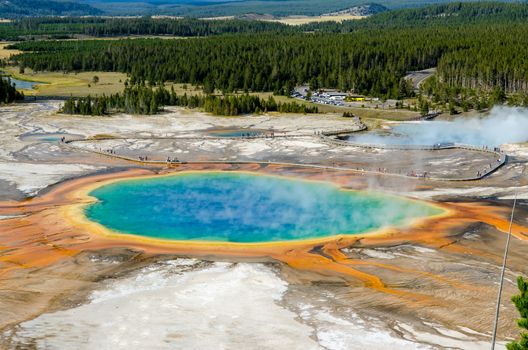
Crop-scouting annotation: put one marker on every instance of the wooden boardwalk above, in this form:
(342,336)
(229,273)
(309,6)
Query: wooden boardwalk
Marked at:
(501,157)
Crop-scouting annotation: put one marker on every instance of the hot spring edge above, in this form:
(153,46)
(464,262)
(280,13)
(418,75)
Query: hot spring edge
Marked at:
(236,207)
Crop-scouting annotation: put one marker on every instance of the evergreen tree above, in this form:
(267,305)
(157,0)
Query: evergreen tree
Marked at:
(424,106)
(139,99)
(483,57)
(8,92)
(521,303)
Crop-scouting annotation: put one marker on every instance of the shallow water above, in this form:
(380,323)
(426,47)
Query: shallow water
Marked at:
(49,137)
(24,84)
(236,207)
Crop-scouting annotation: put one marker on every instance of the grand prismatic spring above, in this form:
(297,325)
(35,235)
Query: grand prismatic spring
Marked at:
(245,208)
(342,251)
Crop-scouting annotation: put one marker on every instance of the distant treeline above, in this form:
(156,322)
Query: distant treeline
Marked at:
(139,99)
(25,8)
(370,62)
(57,27)
(447,14)
(8,93)
(215,8)
(481,47)
(133,100)
(239,104)
(452,14)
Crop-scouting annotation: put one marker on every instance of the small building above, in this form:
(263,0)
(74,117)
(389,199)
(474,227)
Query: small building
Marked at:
(336,96)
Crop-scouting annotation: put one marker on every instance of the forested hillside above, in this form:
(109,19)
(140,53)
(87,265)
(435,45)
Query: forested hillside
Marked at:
(246,62)
(451,14)
(108,27)
(25,8)
(367,62)
(455,14)
(369,57)
(214,8)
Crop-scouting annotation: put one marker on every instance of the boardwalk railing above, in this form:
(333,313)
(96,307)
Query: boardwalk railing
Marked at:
(502,158)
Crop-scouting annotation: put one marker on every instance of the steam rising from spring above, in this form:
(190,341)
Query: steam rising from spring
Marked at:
(502,125)
(236,207)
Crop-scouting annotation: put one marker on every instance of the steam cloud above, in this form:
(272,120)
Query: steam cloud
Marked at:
(502,125)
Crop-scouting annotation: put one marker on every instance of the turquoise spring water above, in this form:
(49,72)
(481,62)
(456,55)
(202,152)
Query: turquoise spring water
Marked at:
(48,136)
(244,208)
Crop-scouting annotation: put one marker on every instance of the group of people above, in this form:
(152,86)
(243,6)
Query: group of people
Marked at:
(142,158)
(413,173)
(487,169)
(172,160)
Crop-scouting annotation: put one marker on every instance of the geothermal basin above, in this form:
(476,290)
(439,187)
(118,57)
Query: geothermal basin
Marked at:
(245,208)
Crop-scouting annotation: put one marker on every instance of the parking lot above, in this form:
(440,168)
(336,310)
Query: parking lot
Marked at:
(336,98)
